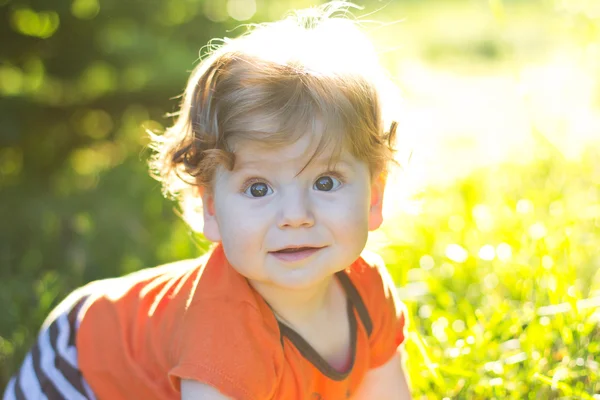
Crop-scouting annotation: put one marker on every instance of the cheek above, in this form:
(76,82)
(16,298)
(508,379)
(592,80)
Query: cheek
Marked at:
(240,222)
(236,236)
(349,212)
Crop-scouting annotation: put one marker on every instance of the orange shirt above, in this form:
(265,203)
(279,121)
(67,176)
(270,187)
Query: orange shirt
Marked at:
(139,335)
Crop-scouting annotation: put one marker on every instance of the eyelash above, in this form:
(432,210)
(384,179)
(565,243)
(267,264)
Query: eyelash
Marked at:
(336,174)
(249,182)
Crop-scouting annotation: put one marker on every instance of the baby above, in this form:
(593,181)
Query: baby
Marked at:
(282,139)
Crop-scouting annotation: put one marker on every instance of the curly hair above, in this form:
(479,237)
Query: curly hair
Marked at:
(314,72)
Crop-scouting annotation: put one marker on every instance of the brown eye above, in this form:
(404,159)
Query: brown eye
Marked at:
(258,189)
(327,183)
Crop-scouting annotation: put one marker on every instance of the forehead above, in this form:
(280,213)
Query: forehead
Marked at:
(300,154)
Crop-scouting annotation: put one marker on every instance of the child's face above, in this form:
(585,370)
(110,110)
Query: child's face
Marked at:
(264,206)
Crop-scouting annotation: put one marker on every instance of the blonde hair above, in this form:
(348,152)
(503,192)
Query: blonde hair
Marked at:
(313,72)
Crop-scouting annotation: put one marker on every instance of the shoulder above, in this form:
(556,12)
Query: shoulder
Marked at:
(150,288)
(380,285)
(370,275)
(372,259)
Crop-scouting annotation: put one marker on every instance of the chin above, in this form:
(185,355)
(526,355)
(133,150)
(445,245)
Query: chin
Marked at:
(300,278)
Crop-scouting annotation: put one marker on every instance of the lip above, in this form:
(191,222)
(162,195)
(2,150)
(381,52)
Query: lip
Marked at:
(296,255)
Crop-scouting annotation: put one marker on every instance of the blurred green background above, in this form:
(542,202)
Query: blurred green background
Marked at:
(493,226)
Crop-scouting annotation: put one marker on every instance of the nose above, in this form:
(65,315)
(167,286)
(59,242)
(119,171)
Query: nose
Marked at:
(295,211)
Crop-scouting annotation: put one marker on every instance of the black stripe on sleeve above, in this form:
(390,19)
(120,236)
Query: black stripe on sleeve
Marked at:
(19,395)
(71,374)
(46,384)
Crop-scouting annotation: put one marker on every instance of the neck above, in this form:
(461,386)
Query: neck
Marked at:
(299,305)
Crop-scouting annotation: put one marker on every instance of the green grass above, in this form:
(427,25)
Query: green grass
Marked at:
(486,322)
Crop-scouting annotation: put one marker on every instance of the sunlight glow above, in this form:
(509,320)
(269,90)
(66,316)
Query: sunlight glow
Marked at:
(455,123)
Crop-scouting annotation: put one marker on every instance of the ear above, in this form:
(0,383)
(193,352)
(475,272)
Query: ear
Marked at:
(211,226)
(376,206)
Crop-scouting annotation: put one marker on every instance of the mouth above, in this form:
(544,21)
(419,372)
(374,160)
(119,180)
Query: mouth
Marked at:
(295,253)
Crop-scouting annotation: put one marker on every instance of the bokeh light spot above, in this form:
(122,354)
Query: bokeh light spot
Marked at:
(98,79)
(456,253)
(241,10)
(426,262)
(11,80)
(119,34)
(135,77)
(425,311)
(34,72)
(30,23)
(447,270)
(547,262)
(490,281)
(95,124)
(537,230)
(504,251)
(438,328)
(216,11)
(458,326)
(85,9)
(487,252)
(524,206)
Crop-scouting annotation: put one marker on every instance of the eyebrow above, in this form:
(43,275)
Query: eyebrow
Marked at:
(321,161)
(327,161)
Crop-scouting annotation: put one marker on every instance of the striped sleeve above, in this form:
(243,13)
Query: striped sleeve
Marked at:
(50,369)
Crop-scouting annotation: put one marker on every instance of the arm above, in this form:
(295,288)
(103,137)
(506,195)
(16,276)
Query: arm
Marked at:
(387,382)
(194,390)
